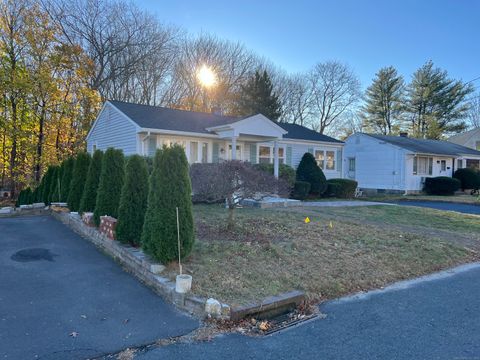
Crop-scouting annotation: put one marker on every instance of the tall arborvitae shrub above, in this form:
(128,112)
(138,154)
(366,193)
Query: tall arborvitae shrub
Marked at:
(170,187)
(55,196)
(68,166)
(89,196)
(110,185)
(309,171)
(24,197)
(133,201)
(47,184)
(52,197)
(77,184)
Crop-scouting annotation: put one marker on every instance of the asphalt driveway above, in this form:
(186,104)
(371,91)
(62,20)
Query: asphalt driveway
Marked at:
(60,298)
(440,205)
(434,318)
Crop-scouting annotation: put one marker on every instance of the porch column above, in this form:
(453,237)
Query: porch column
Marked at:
(275,158)
(234,148)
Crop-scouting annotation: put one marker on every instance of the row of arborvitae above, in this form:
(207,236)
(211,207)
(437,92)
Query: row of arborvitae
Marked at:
(106,184)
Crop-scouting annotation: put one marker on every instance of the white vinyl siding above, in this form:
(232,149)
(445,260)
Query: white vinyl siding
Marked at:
(113,129)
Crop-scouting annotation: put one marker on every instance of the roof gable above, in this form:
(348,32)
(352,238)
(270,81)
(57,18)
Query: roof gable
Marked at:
(426,146)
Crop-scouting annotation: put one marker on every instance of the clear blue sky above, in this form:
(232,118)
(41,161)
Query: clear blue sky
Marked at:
(367,34)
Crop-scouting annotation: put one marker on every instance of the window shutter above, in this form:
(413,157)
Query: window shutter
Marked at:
(253,153)
(215,152)
(339,160)
(310,150)
(152,145)
(430,166)
(415,164)
(289,155)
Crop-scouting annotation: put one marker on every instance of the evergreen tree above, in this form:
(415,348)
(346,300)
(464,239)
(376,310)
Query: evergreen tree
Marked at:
(310,172)
(55,195)
(77,183)
(385,101)
(89,196)
(436,103)
(170,188)
(68,166)
(53,184)
(110,185)
(133,201)
(47,184)
(257,97)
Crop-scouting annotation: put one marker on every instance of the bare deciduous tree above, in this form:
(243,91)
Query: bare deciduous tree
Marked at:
(233,181)
(474,111)
(335,88)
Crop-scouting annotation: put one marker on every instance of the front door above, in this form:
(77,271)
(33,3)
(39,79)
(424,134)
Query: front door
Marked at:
(238,154)
(351,168)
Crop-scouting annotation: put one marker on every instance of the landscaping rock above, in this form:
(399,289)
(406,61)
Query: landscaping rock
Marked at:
(26,207)
(7,210)
(213,307)
(59,204)
(156,268)
(107,226)
(39,205)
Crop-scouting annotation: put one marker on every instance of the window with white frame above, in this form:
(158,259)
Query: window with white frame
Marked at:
(320,158)
(325,159)
(443,165)
(204,152)
(422,165)
(459,163)
(193,152)
(265,154)
(330,163)
(351,164)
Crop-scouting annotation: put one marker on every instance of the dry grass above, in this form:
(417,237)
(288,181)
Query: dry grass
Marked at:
(272,251)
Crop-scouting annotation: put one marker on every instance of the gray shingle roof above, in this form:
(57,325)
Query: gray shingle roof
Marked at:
(299,132)
(156,117)
(426,146)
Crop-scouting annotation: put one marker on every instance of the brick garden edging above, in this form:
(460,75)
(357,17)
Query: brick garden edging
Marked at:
(138,264)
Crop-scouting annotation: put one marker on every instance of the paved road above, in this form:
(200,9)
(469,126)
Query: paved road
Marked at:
(65,285)
(463,208)
(434,319)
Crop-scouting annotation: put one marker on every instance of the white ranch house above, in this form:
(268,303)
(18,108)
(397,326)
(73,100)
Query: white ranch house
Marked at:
(399,164)
(209,137)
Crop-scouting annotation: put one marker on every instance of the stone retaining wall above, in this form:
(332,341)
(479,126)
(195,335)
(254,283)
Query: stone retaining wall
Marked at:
(138,264)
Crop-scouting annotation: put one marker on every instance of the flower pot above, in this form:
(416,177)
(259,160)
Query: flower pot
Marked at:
(183,283)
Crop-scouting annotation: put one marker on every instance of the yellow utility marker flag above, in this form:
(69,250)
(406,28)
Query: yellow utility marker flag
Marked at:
(307,220)
(331,225)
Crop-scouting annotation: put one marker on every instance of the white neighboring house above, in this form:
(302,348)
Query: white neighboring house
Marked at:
(209,137)
(399,164)
(469,139)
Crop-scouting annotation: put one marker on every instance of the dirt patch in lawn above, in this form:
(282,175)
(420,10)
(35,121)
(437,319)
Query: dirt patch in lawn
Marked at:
(274,251)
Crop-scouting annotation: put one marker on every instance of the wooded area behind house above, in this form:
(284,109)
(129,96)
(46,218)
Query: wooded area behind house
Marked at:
(61,58)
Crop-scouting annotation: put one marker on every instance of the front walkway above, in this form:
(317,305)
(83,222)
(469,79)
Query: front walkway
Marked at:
(60,298)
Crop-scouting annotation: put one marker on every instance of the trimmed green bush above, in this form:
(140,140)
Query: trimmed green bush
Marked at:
(469,178)
(441,185)
(133,201)
(341,188)
(301,190)
(56,183)
(285,172)
(24,197)
(79,175)
(68,166)
(309,171)
(89,196)
(110,185)
(47,185)
(53,184)
(170,187)
(35,194)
